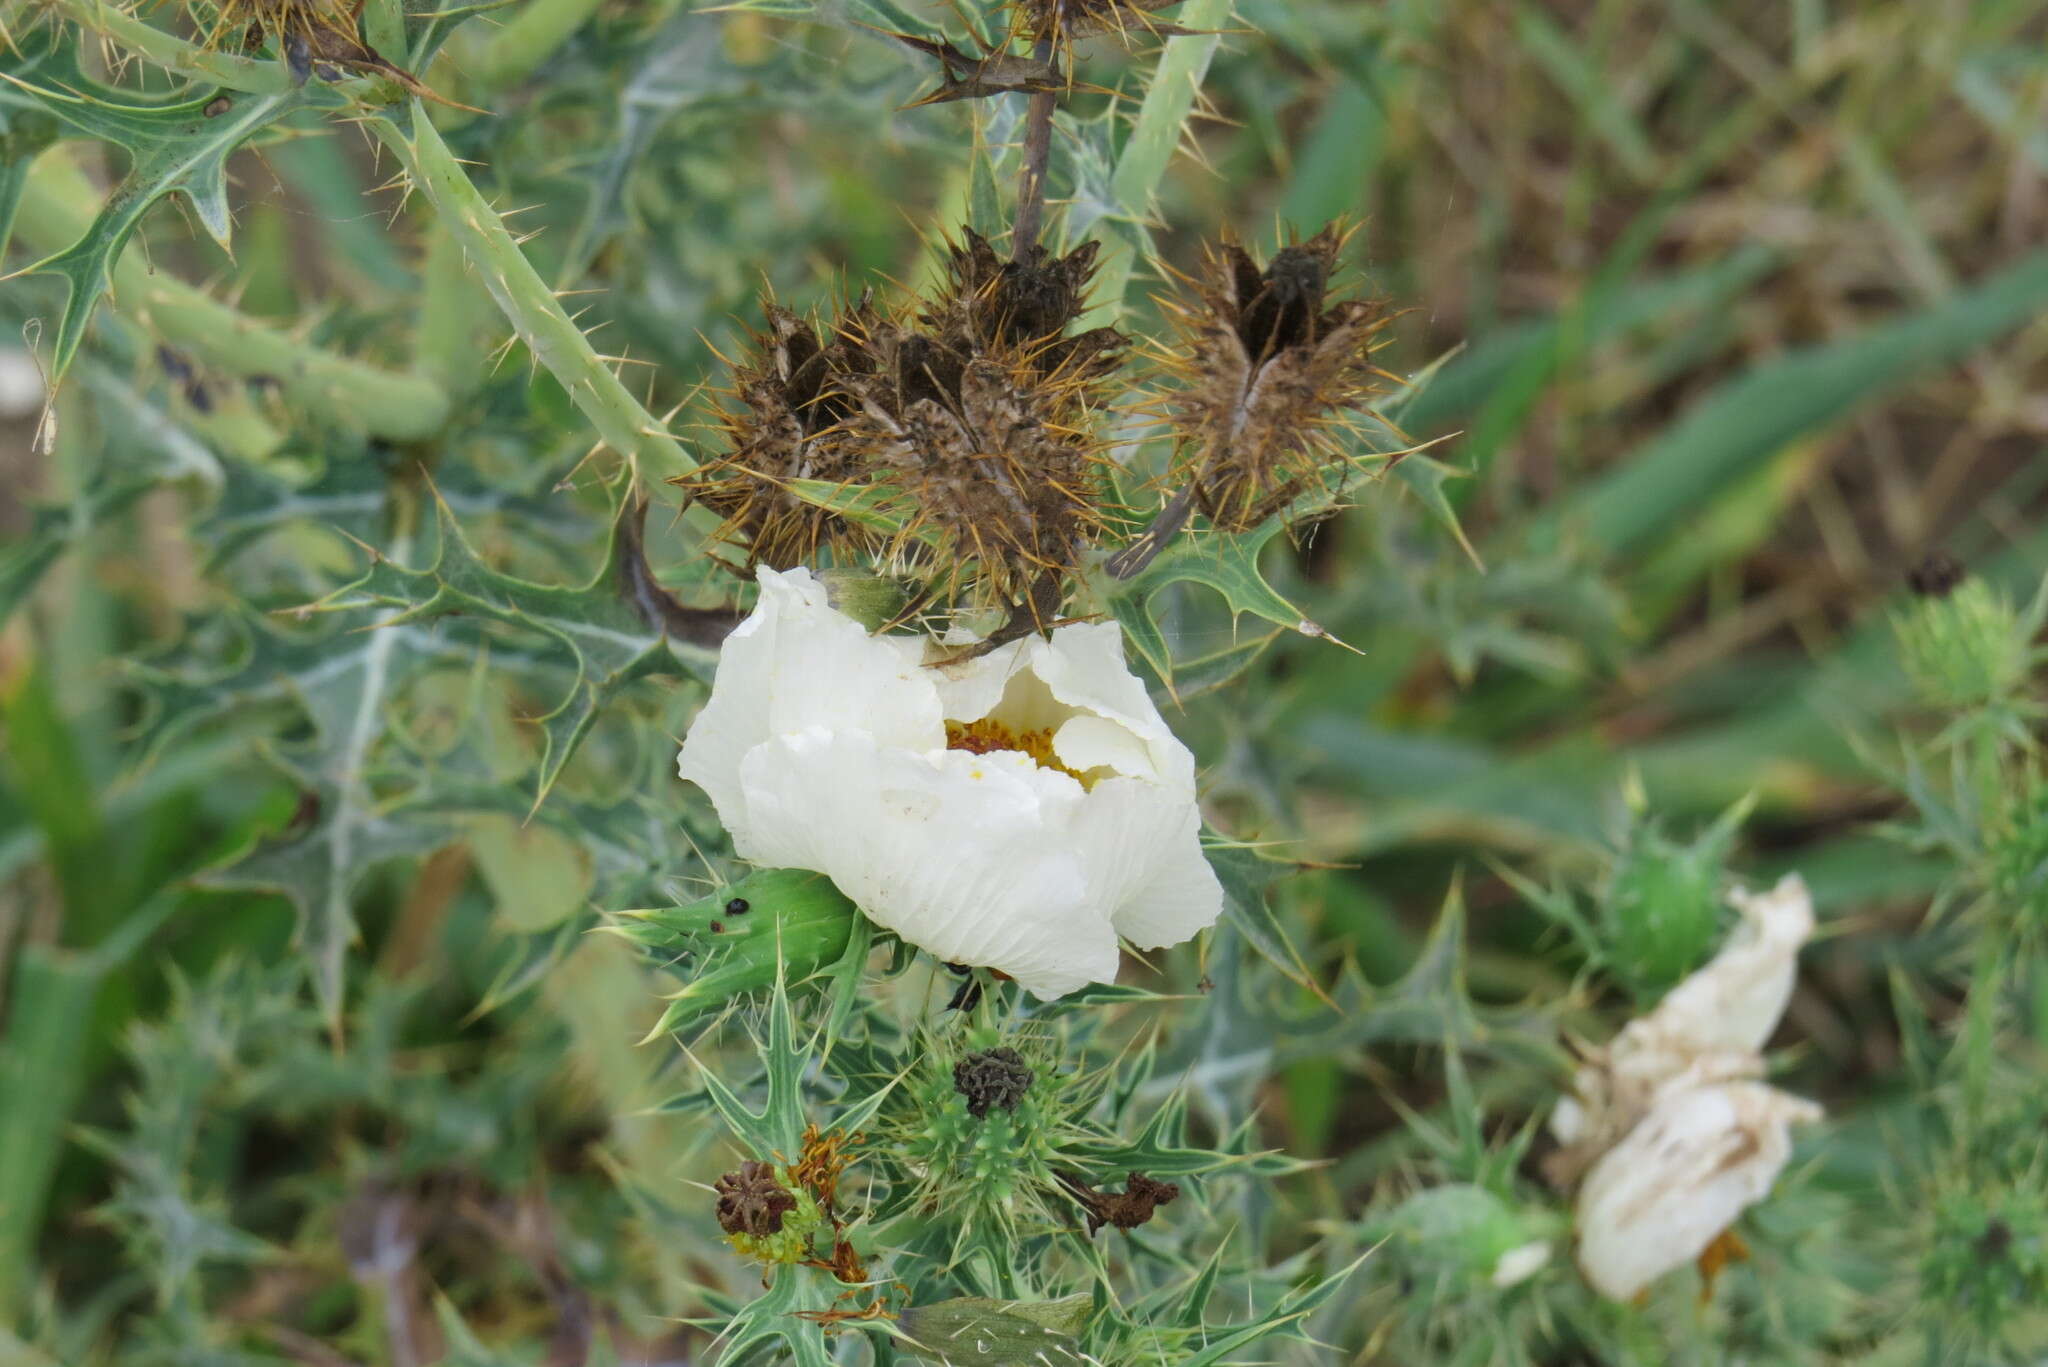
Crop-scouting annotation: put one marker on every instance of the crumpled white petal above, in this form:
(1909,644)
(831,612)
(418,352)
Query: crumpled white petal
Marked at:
(1673,1135)
(824,747)
(1698,1159)
(1710,1028)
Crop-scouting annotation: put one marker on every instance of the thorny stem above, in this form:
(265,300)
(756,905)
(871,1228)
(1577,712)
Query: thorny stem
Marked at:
(1037,156)
(57,208)
(167,50)
(1980,1024)
(532,309)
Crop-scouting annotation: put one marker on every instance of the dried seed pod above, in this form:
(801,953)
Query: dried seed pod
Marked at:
(1268,365)
(792,396)
(1065,20)
(985,455)
(992,1079)
(321,37)
(752,1200)
(1023,305)
(1936,574)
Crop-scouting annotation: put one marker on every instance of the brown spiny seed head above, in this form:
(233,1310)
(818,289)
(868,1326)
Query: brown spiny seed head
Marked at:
(1936,575)
(1065,20)
(985,455)
(1269,367)
(992,1079)
(786,426)
(1024,306)
(317,38)
(752,1200)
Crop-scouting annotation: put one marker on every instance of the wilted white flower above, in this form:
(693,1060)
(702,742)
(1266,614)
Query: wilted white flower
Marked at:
(1699,1159)
(1019,811)
(1678,1138)
(1709,1028)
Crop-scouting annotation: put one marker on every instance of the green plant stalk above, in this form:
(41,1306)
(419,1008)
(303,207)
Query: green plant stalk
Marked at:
(1980,1024)
(57,207)
(41,1072)
(455,314)
(518,49)
(1161,118)
(187,59)
(534,312)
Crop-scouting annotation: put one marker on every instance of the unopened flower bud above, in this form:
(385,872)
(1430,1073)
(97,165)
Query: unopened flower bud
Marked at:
(1970,649)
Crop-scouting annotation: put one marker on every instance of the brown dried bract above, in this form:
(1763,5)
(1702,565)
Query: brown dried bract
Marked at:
(752,1200)
(313,34)
(965,76)
(1024,305)
(792,400)
(1135,1205)
(1065,20)
(982,451)
(1936,574)
(819,1165)
(1268,364)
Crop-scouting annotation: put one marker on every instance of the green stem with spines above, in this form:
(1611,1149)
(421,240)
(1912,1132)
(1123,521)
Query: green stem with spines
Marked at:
(117,25)
(1980,1024)
(536,315)
(57,207)
(519,48)
(1169,100)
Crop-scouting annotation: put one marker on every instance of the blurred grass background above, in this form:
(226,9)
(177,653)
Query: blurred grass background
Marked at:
(1738,313)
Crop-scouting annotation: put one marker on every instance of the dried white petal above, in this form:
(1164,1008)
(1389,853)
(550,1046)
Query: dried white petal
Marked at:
(1710,1028)
(1698,1159)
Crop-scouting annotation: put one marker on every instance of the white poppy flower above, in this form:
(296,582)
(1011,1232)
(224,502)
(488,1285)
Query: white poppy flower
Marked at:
(1710,1028)
(1020,811)
(1699,1158)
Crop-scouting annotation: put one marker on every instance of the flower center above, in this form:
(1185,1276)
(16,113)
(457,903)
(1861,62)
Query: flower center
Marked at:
(987,735)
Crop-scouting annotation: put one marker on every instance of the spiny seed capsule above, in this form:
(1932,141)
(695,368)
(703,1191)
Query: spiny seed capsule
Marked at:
(752,1201)
(1269,367)
(791,402)
(1936,575)
(992,1078)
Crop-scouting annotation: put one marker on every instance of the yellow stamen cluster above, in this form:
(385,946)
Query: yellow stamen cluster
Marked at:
(986,736)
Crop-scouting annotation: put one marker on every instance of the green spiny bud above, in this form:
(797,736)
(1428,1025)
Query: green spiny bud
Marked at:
(982,1126)
(1969,649)
(2017,859)
(1457,1238)
(786,921)
(1987,1257)
(1661,910)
